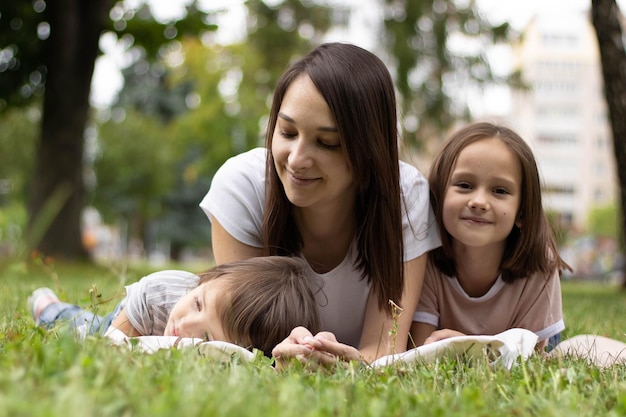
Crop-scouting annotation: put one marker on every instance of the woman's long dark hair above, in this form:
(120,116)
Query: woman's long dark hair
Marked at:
(360,93)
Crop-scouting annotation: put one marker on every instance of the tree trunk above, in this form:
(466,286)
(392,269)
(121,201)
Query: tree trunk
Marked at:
(606,21)
(56,199)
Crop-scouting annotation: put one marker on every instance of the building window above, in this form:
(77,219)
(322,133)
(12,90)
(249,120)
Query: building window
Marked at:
(557,138)
(559,189)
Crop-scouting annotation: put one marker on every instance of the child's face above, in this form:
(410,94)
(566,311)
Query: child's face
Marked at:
(483,196)
(196,315)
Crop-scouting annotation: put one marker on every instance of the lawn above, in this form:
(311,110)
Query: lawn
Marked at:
(49,374)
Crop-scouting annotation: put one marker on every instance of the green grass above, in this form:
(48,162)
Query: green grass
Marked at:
(49,374)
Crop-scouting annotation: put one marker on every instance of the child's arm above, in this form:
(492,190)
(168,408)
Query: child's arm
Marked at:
(442,334)
(122,323)
(424,333)
(419,333)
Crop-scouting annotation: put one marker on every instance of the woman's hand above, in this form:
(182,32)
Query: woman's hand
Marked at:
(319,350)
(442,334)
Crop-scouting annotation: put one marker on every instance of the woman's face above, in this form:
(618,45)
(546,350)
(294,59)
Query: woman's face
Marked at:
(309,157)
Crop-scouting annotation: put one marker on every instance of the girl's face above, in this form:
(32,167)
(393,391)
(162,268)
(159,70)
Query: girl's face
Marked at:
(196,315)
(308,155)
(483,195)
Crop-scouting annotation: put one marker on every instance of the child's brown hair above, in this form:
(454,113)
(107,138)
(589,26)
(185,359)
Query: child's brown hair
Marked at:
(264,299)
(530,248)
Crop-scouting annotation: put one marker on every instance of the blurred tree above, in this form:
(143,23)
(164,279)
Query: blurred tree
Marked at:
(17,141)
(286,30)
(212,104)
(48,50)
(17,144)
(275,36)
(207,130)
(422,38)
(604,221)
(183,118)
(214,101)
(183,224)
(207,133)
(134,168)
(606,17)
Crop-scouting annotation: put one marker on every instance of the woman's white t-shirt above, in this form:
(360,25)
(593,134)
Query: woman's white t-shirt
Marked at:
(237,200)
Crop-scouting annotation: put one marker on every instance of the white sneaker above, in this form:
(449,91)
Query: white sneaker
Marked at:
(37,297)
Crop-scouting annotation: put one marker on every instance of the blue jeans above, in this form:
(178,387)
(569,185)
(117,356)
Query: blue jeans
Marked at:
(84,323)
(553,341)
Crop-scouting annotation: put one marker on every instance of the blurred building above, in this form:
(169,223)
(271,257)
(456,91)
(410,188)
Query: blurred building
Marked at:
(564,115)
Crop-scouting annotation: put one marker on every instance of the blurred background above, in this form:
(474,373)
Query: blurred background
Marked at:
(114,116)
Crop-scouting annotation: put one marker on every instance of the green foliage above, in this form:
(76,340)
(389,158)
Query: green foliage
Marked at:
(24,29)
(12,226)
(22,74)
(604,221)
(207,107)
(207,131)
(430,71)
(287,29)
(134,168)
(17,141)
(137,25)
(95,379)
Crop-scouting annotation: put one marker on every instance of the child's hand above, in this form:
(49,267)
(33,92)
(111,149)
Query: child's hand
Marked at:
(442,334)
(329,350)
(319,350)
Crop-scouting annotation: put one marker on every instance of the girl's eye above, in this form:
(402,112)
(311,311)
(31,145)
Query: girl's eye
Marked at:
(464,185)
(197,301)
(501,191)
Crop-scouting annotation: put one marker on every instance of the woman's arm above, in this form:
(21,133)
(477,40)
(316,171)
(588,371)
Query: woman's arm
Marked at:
(227,249)
(384,335)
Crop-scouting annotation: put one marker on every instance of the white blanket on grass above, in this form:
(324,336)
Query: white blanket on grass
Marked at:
(503,348)
(150,344)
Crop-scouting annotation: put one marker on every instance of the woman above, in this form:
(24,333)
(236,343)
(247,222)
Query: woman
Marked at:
(329,187)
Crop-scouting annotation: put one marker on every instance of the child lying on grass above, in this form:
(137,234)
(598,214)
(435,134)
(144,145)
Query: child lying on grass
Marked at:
(252,303)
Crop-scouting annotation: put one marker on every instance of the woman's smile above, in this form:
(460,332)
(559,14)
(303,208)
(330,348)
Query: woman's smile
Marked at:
(300,180)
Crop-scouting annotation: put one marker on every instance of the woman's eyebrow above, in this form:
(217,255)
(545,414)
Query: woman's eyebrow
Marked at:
(285,117)
(332,129)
